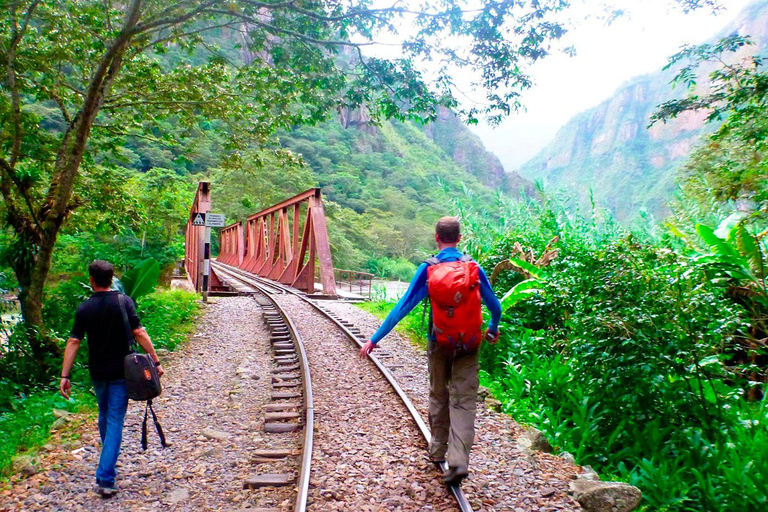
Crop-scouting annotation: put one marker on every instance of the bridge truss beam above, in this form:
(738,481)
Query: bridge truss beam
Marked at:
(283,243)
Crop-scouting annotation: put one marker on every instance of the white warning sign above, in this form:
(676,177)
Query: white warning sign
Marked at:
(214,220)
(198,219)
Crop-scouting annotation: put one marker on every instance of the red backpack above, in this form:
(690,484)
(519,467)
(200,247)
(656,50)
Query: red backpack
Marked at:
(454,292)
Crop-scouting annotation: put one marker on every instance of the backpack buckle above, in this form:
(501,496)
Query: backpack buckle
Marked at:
(450,312)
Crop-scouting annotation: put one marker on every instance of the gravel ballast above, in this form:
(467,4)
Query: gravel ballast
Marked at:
(212,413)
(503,475)
(368,454)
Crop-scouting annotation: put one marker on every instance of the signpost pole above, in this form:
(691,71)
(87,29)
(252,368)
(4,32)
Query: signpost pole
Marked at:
(206,263)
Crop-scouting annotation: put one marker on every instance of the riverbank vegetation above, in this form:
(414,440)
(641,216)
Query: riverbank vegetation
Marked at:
(642,350)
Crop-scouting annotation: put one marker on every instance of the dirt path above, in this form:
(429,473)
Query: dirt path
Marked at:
(214,387)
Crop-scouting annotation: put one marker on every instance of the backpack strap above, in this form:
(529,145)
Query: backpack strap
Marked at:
(466,257)
(158,427)
(128,332)
(432,261)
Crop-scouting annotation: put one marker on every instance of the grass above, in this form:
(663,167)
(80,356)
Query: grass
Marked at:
(169,317)
(28,425)
(410,326)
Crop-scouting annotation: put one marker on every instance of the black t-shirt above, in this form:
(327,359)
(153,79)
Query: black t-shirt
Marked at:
(101,319)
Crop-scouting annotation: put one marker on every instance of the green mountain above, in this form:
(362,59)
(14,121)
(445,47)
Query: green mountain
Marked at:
(385,184)
(388,184)
(610,149)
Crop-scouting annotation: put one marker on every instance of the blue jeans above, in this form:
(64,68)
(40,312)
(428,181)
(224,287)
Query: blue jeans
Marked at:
(112,397)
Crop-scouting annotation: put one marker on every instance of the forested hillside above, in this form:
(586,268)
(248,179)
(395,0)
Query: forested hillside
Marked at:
(385,185)
(611,150)
(385,182)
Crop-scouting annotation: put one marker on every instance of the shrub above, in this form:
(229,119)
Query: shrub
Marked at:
(168,316)
(27,423)
(395,269)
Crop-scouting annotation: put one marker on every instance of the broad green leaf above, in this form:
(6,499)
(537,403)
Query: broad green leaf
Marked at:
(676,232)
(716,244)
(750,249)
(725,228)
(142,279)
(531,269)
(518,292)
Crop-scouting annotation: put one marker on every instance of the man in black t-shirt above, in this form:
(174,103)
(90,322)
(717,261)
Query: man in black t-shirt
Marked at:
(100,318)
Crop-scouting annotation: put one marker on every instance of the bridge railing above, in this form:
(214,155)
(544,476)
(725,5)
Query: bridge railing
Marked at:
(194,248)
(283,242)
(354,281)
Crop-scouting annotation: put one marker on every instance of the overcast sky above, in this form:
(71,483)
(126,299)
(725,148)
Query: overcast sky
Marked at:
(607,56)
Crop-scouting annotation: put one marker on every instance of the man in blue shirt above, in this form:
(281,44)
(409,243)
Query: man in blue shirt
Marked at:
(453,379)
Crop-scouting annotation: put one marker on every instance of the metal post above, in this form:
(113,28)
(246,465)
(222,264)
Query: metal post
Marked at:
(206,262)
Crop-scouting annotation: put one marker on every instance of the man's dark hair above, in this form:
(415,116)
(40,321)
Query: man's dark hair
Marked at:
(101,271)
(448,230)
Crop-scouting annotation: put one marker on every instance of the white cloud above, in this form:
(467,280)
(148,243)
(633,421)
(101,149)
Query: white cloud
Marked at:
(607,56)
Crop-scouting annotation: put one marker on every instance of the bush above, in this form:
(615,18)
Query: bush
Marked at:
(394,269)
(168,316)
(621,360)
(27,423)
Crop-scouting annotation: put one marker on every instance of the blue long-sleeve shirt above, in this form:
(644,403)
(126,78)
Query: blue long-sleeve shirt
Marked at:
(417,291)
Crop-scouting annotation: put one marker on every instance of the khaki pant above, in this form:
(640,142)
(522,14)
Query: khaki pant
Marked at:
(453,383)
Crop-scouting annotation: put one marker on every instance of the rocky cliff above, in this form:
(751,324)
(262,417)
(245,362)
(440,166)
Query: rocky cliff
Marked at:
(466,149)
(611,149)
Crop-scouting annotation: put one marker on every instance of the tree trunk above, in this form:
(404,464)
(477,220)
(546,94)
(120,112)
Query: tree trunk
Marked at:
(31,273)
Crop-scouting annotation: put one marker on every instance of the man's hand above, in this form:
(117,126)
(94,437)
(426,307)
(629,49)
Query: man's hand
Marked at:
(367,349)
(492,337)
(65,387)
(160,371)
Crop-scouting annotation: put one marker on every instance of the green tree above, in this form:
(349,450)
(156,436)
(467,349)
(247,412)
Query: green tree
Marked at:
(730,167)
(96,64)
(80,78)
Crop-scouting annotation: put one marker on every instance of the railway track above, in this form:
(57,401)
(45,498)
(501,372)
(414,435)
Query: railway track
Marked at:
(277,294)
(289,357)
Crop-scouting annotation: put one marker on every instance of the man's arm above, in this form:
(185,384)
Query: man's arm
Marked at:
(416,292)
(65,386)
(142,338)
(492,303)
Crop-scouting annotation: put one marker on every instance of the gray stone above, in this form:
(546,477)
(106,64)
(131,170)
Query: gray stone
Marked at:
(23,464)
(178,495)
(568,457)
(58,424)
(212,452)
(216,434)
(606,496)
(482,393)
(493,404)
(61,413)
(588,474)
(538,440)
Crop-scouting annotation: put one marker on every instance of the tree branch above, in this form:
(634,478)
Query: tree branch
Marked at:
(72,147)
(23,191)
(18,33)
(173,20)
(183,35)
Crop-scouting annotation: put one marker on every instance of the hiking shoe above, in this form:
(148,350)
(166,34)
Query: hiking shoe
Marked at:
(436,459)
(454,476)
(106,492)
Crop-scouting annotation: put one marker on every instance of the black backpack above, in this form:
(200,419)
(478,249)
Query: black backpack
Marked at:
(141,379)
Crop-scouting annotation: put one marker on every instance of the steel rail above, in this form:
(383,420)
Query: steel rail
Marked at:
(456,490)
(302,487)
